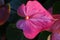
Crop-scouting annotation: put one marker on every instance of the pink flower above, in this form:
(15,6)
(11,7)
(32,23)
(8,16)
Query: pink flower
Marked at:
(37,19)
(55,29)
(55,36)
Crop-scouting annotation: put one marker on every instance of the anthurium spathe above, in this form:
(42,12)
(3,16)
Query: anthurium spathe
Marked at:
(55,29)
(37,19)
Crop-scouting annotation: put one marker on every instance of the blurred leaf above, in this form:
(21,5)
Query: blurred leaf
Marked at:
(14,6)
(13,33)
(56,7)
(42,36)
(13,18)
(48,3)
(16,3)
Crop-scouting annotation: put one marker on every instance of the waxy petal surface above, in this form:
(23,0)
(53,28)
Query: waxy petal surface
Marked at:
(45,20)
(56,26)
(55,36)
(34,7)
(20,24)
(29,29)
(33,30)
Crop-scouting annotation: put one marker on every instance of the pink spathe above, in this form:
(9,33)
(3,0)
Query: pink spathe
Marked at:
(55,29)
(55,36)
(37,19)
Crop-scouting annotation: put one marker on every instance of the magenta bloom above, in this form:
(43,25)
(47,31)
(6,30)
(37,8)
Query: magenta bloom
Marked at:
(55,29)
(37,19)
(55,36)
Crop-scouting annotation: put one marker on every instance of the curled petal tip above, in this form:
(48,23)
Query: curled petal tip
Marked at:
(21,10)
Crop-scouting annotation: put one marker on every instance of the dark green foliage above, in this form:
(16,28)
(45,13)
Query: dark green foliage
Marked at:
(13,33)
(48,3)
(56,7)
(42,36)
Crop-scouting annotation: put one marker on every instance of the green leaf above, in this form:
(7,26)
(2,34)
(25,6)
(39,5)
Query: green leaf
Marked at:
(48,3)
(42,36)
(13,33)
(14,6)
(16,3)
(13,18)
(56,7)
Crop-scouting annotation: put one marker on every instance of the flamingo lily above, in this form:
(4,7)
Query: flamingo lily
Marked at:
(37,19)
